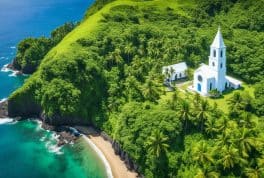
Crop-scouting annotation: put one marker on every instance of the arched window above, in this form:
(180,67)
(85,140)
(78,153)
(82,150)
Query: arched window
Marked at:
(213,64)
(221,65)
(221,54)
(214,53)
(180,75)
(211,86)
(200,78)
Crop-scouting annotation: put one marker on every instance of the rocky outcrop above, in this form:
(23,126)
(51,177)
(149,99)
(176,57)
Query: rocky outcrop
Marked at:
(23,107)
(66,134)
(3,109)
(58,120)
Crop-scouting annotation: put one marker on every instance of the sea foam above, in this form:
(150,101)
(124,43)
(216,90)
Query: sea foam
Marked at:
(6,121)
(52,146)
(5,68)
(3,100)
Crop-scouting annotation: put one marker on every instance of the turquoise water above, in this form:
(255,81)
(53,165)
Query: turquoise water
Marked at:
(26,151)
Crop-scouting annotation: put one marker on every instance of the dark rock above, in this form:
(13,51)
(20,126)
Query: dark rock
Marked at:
(19,73)
(23,106)
(4,109)
(58,120)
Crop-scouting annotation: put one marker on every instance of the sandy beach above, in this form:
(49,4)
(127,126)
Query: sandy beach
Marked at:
(118,167)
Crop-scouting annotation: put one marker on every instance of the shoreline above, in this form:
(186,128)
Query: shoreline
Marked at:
(117,165)
(100,155)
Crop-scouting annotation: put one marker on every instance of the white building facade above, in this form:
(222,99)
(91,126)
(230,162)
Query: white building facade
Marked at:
(213,76)
(175,71)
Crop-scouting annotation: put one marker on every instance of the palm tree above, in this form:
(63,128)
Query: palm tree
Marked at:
(117,56)
(261,161)
(230,157)
(224,123)
(185,113)
(167,74)
(150,91)
(254,172)
(201,154)
(235,102)
(197,99)
(245,140)
(225,138)
(247,120)
(129,50)
(171,72)
(210,126)
(206,174)
(203,112)
(157,143)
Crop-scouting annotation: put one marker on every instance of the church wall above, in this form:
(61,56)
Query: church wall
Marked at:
(203,83)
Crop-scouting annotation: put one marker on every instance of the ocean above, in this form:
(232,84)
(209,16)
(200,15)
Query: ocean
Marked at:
(26,150)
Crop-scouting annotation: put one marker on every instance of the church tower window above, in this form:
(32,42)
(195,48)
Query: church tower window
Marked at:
(221,54)
(213,64)
(214,53)
(221,65)
(200,78)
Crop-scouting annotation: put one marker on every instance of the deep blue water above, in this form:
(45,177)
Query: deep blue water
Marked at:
(31,18)
(25,150)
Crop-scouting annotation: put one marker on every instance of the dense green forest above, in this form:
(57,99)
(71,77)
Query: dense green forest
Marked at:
(31,51)
(107,71)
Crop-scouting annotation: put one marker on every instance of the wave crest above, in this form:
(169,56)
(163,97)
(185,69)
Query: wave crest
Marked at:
(6,121)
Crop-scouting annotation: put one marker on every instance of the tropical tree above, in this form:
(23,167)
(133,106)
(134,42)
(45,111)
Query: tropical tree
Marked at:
(210,126)
(202,115)
(173,102)
(235,104)
(157,143)
(201,154)
(196,99)
(225,138)
(129,50)
(229,157)
(245,140)
(206,173)
(185,113)
(257,172)
(150,91)
(171,72)
(247,120)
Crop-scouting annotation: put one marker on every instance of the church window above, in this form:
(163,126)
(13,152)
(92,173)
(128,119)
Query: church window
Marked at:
(221,54)
(214,53)
(221,65)
(200,78)
(180,75)
(211,86)
(213,64)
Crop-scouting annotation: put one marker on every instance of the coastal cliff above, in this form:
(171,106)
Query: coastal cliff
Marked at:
(107,72)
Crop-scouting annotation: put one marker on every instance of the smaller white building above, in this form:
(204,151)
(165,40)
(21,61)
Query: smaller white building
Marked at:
(175,71)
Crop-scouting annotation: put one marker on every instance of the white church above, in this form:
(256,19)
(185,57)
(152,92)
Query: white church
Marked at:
(213,76)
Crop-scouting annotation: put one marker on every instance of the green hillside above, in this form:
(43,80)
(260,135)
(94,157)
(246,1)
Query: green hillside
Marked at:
(107,72)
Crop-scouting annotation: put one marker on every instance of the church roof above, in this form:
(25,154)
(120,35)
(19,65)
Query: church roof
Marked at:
(206,71)
(218,40)
(180,67)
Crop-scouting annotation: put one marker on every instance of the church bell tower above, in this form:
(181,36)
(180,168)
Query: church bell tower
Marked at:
(217,60)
